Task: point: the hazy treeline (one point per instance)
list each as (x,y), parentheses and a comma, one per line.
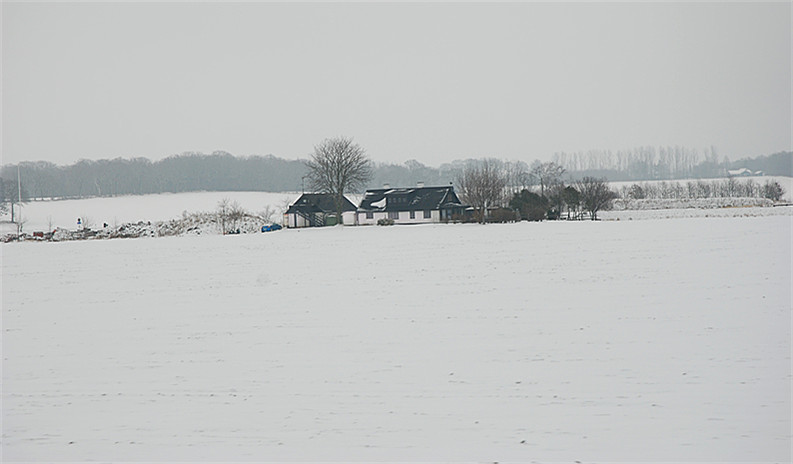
(651,163)
(700,189)
(221,171)
(188,172)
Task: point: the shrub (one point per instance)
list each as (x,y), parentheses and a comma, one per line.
(502,215)
(385,222)
(531,206)
(636,192)
(773,191)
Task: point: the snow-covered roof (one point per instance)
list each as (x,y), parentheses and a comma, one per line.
(410,199)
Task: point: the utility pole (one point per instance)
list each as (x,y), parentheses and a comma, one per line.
(19,201)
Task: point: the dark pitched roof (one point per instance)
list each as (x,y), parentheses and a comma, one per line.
(407,199)
(318,203)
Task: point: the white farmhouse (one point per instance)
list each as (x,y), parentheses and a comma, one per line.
(415,205)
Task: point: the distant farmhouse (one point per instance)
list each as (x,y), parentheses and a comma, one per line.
(317,210)
(744,172)
(417,205)
(414,205)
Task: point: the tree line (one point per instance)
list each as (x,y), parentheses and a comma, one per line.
(221,171)
(665,163)
(701,189)
(502,191)
(187,172)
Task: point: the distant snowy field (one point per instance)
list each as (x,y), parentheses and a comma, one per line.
(40,215)
(653,340)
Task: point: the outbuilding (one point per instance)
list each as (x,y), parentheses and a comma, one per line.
(317,210)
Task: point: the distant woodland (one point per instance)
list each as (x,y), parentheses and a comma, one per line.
(221,171)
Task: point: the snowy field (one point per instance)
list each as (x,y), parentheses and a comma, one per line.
(679,213)
(653,340)
(46,215)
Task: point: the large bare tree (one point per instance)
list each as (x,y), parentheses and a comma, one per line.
(595,195)
(338,165)
(547,174)
(482,185)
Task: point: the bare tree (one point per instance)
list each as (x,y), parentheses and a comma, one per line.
(482,185)
(547,174)
(337,166)
(229,215)
(772,190)
(21,225)
(267,213)
(10,196)
(223,214)
(236,215)
(572,198)
(518,176)
(595,195)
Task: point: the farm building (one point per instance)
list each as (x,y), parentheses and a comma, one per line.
(743,172)
(416,205)
(316,210)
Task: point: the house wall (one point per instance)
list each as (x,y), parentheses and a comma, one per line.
(349,218)
(293,220)
(404,218)
(363,221)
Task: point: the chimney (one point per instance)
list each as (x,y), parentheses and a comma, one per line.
(420,184)
(386,186)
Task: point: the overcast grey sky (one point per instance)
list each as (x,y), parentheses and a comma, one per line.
(432,82)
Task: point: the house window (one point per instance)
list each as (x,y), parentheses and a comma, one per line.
(370,215)
(393,215)
(427,214)
(412,215)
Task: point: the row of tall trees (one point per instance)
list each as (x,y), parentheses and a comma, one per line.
(221,171)
(725,188)
(659,163)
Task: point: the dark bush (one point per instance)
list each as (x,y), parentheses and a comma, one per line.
(529,205)
(502,215)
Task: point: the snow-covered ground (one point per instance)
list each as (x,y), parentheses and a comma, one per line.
(654,340)
(709,212)
(47,215)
